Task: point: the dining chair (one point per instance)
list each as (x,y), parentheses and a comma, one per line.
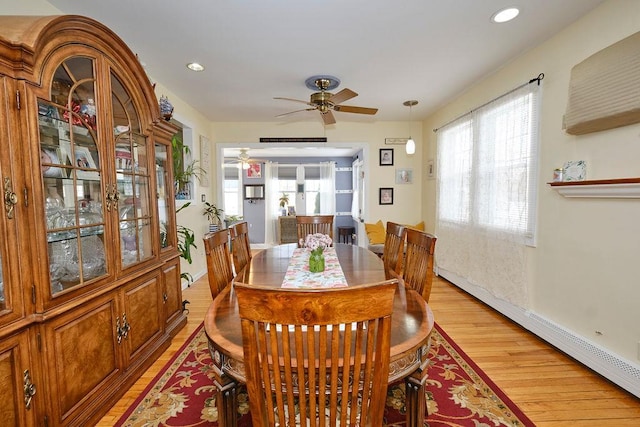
(311,224)
(393,253)
(316,357)
(219,267)
(418,262)
(240,246)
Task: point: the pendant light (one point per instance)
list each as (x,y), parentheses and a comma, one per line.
(410,147)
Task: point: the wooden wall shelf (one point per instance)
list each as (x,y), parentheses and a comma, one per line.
(620,188)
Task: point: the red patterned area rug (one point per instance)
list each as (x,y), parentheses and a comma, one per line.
(458,393)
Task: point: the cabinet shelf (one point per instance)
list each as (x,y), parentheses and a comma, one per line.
(619,188)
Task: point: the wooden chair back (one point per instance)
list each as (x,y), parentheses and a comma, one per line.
(418,262)
(312,224)
(240,245)
(393,254)
(316,357)
(219,267)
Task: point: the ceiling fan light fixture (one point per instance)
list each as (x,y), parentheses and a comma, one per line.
(245,165)
(194,66)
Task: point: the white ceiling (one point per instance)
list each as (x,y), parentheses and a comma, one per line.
(386,51)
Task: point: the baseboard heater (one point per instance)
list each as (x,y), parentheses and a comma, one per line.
(618,370)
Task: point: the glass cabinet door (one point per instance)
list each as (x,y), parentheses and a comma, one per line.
(72,177)
(162,155)
(11,285)
(132,177)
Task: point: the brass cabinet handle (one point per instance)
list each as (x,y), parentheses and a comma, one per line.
(126,327)
(10,198)
(118,330)
(112,197)
(29,389)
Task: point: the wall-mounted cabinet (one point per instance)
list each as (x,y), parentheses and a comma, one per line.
(89,271)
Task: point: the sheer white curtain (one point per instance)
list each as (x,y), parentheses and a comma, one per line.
(327,188)
(487,194)
(271,203)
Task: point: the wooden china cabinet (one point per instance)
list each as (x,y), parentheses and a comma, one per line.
(89,272)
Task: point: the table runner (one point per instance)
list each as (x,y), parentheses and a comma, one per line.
(299,276)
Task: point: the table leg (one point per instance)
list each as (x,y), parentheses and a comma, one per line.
(227,402)
(416,402)
(415,393)
(227,397)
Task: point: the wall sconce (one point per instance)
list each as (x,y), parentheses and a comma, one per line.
(410,147)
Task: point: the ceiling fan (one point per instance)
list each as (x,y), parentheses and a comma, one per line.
(327,102)
(244,159)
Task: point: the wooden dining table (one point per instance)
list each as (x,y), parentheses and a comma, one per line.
(412,321)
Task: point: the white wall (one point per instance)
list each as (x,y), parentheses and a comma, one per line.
(584,273)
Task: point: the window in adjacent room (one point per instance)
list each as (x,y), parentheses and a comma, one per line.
(231,190)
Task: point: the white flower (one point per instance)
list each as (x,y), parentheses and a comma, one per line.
(317,241)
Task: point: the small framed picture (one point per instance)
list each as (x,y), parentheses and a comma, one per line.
(49,157)
(255,170)
(386,157)
(386,196)
(84,161)
(404,176)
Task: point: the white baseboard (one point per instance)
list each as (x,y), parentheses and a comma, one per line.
(620,371)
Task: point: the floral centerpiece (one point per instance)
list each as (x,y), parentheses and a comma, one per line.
(316,243)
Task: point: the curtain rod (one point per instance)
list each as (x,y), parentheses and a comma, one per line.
(535,79)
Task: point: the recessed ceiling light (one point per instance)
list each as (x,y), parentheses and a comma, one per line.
(194,66)
(505,15)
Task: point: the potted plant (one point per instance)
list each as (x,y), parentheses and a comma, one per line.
(186,240)
(284,201)
(214,215)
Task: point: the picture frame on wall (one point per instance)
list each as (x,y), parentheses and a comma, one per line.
(205,160)
(404,176)
(431,169)
(386,157)
(386,196)
(255,170)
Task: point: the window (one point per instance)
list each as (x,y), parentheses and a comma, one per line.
(487,166)
(185,169)
(231,189)
(287,184)
(310,191)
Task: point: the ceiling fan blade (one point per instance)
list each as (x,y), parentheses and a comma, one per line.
(297,111)
(294,100)
(328,118)
(344,95)
(353,109)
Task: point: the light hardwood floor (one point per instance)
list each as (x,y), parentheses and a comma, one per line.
(549,387)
